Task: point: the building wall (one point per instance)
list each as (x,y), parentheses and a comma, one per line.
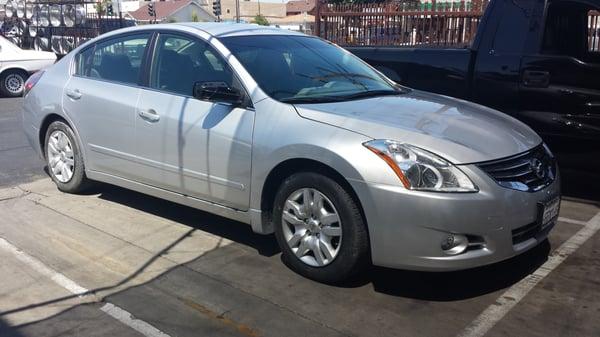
(249,9)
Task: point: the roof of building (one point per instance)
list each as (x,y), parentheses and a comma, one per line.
(300,6)
(163,9)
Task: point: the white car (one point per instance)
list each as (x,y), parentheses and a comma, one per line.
(17,64)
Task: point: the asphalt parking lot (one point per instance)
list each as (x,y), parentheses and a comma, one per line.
(119,263)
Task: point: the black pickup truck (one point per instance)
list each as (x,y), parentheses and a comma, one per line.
(532,59)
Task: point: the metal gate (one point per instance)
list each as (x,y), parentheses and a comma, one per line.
(397,23)
(57,26)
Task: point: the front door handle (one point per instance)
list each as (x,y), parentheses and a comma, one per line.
(74,94)
(150,115)
(536,78)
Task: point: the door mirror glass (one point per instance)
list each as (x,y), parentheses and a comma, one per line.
(218,92)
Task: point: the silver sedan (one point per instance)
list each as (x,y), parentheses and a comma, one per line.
(294,135)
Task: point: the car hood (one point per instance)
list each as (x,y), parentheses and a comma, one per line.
(460,131)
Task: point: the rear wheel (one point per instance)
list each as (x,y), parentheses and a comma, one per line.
(12,83)
(319,228)
(64,159)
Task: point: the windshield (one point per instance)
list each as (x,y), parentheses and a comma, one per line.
(298,69)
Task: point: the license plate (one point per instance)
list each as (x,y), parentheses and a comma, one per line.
(550,211)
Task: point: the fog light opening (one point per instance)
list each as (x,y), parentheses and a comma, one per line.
(455,244)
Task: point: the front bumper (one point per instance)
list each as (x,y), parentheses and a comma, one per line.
(406,228)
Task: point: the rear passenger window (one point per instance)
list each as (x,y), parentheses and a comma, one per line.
(116,60)
(572,30)
(83,62)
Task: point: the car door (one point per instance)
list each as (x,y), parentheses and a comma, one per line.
(194,147)
(498,58)
(559,91)
(101,99)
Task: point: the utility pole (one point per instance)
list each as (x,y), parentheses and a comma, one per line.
(237,11)
(120,13)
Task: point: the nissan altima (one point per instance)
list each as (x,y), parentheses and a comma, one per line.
(295,136)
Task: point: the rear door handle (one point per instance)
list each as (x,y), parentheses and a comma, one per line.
(74,94)
(150,115)
(536,78)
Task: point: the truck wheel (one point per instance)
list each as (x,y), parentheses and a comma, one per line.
(64,158)
(12,83)
(319,228)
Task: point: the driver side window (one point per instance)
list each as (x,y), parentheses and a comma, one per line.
(179,62)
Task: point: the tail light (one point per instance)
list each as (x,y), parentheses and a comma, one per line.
(32,81)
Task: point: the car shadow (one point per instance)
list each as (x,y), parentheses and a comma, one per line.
(433,286)
(229,229)
(455,285)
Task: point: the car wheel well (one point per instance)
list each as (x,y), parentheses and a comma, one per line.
(285,169)
(44,128)
(19,70)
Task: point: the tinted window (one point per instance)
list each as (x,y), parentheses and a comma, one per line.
(593,31)
(179,62)
(302,68)
(117,60)
(570,30)
(83,62)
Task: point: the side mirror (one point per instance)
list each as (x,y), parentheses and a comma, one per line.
(218,92)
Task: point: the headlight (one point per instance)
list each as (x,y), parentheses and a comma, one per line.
(419,169)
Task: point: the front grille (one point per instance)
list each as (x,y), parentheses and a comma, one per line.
(529,171)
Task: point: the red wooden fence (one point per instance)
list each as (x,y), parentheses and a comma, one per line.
(400,23)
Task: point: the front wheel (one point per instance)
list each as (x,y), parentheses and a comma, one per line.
(319,228)
(64,158)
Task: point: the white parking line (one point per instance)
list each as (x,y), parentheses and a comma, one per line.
(112,310)
(509,299)
(136,324)
(573,221)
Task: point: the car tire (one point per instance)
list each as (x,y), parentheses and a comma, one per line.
(341,257)
(12,82)
(64,158)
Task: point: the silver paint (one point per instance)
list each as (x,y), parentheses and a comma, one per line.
(222,161)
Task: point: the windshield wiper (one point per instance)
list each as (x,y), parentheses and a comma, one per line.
(329,99)
(371,93)
(298,100)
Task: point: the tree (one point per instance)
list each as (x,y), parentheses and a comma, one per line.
(261,20)
(172,20)
(195,17)
(101,7)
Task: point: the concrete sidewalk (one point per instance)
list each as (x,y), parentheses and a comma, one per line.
(184,272)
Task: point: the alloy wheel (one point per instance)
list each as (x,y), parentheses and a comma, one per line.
(312,227)
(60,156)
(13,83)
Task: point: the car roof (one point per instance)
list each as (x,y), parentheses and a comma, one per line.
(216,29)
(222,29)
